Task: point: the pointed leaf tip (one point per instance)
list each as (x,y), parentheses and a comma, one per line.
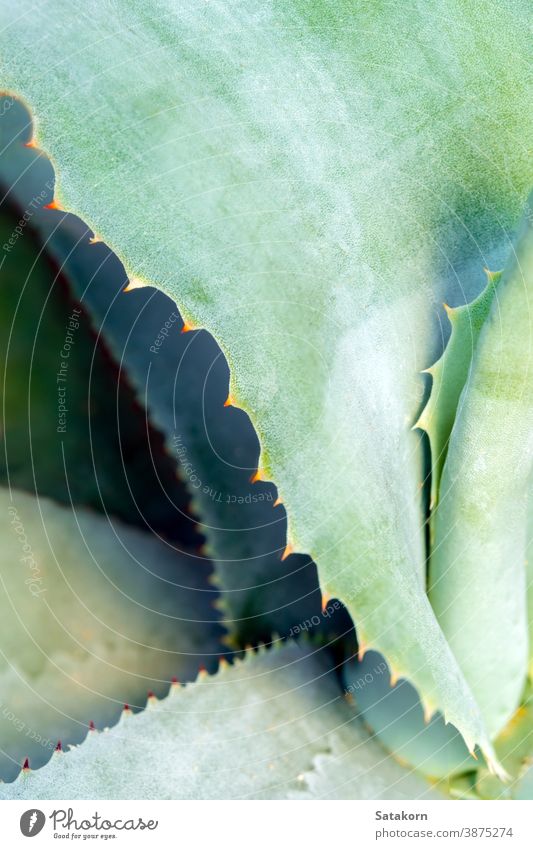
(259,475)
(133,282)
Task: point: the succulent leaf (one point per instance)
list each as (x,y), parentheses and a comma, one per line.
(181,381)
(450,374)
(307,200)
(477,570)
(94,614)
(270,716)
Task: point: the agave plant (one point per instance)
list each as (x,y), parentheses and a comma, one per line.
(331,196)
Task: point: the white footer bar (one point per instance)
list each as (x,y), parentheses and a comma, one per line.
(268,825)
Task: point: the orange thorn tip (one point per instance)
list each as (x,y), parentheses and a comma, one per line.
(258,476)
(325,601)
(229,402)
(428,713)
(363,648)
(30,143)
(394,677)
(277,502)
(288,551)
(134,283)
(187,328)
(53,205)
(94,240)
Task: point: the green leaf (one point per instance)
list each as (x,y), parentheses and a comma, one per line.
(94,615)
(450,374)
(180,379)
(253,730)
(305,180)
(478,572)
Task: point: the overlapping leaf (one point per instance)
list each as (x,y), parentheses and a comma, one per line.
(449,375)
(94,614)
(255,730)
(312,175)
(181,381)
(478,584)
